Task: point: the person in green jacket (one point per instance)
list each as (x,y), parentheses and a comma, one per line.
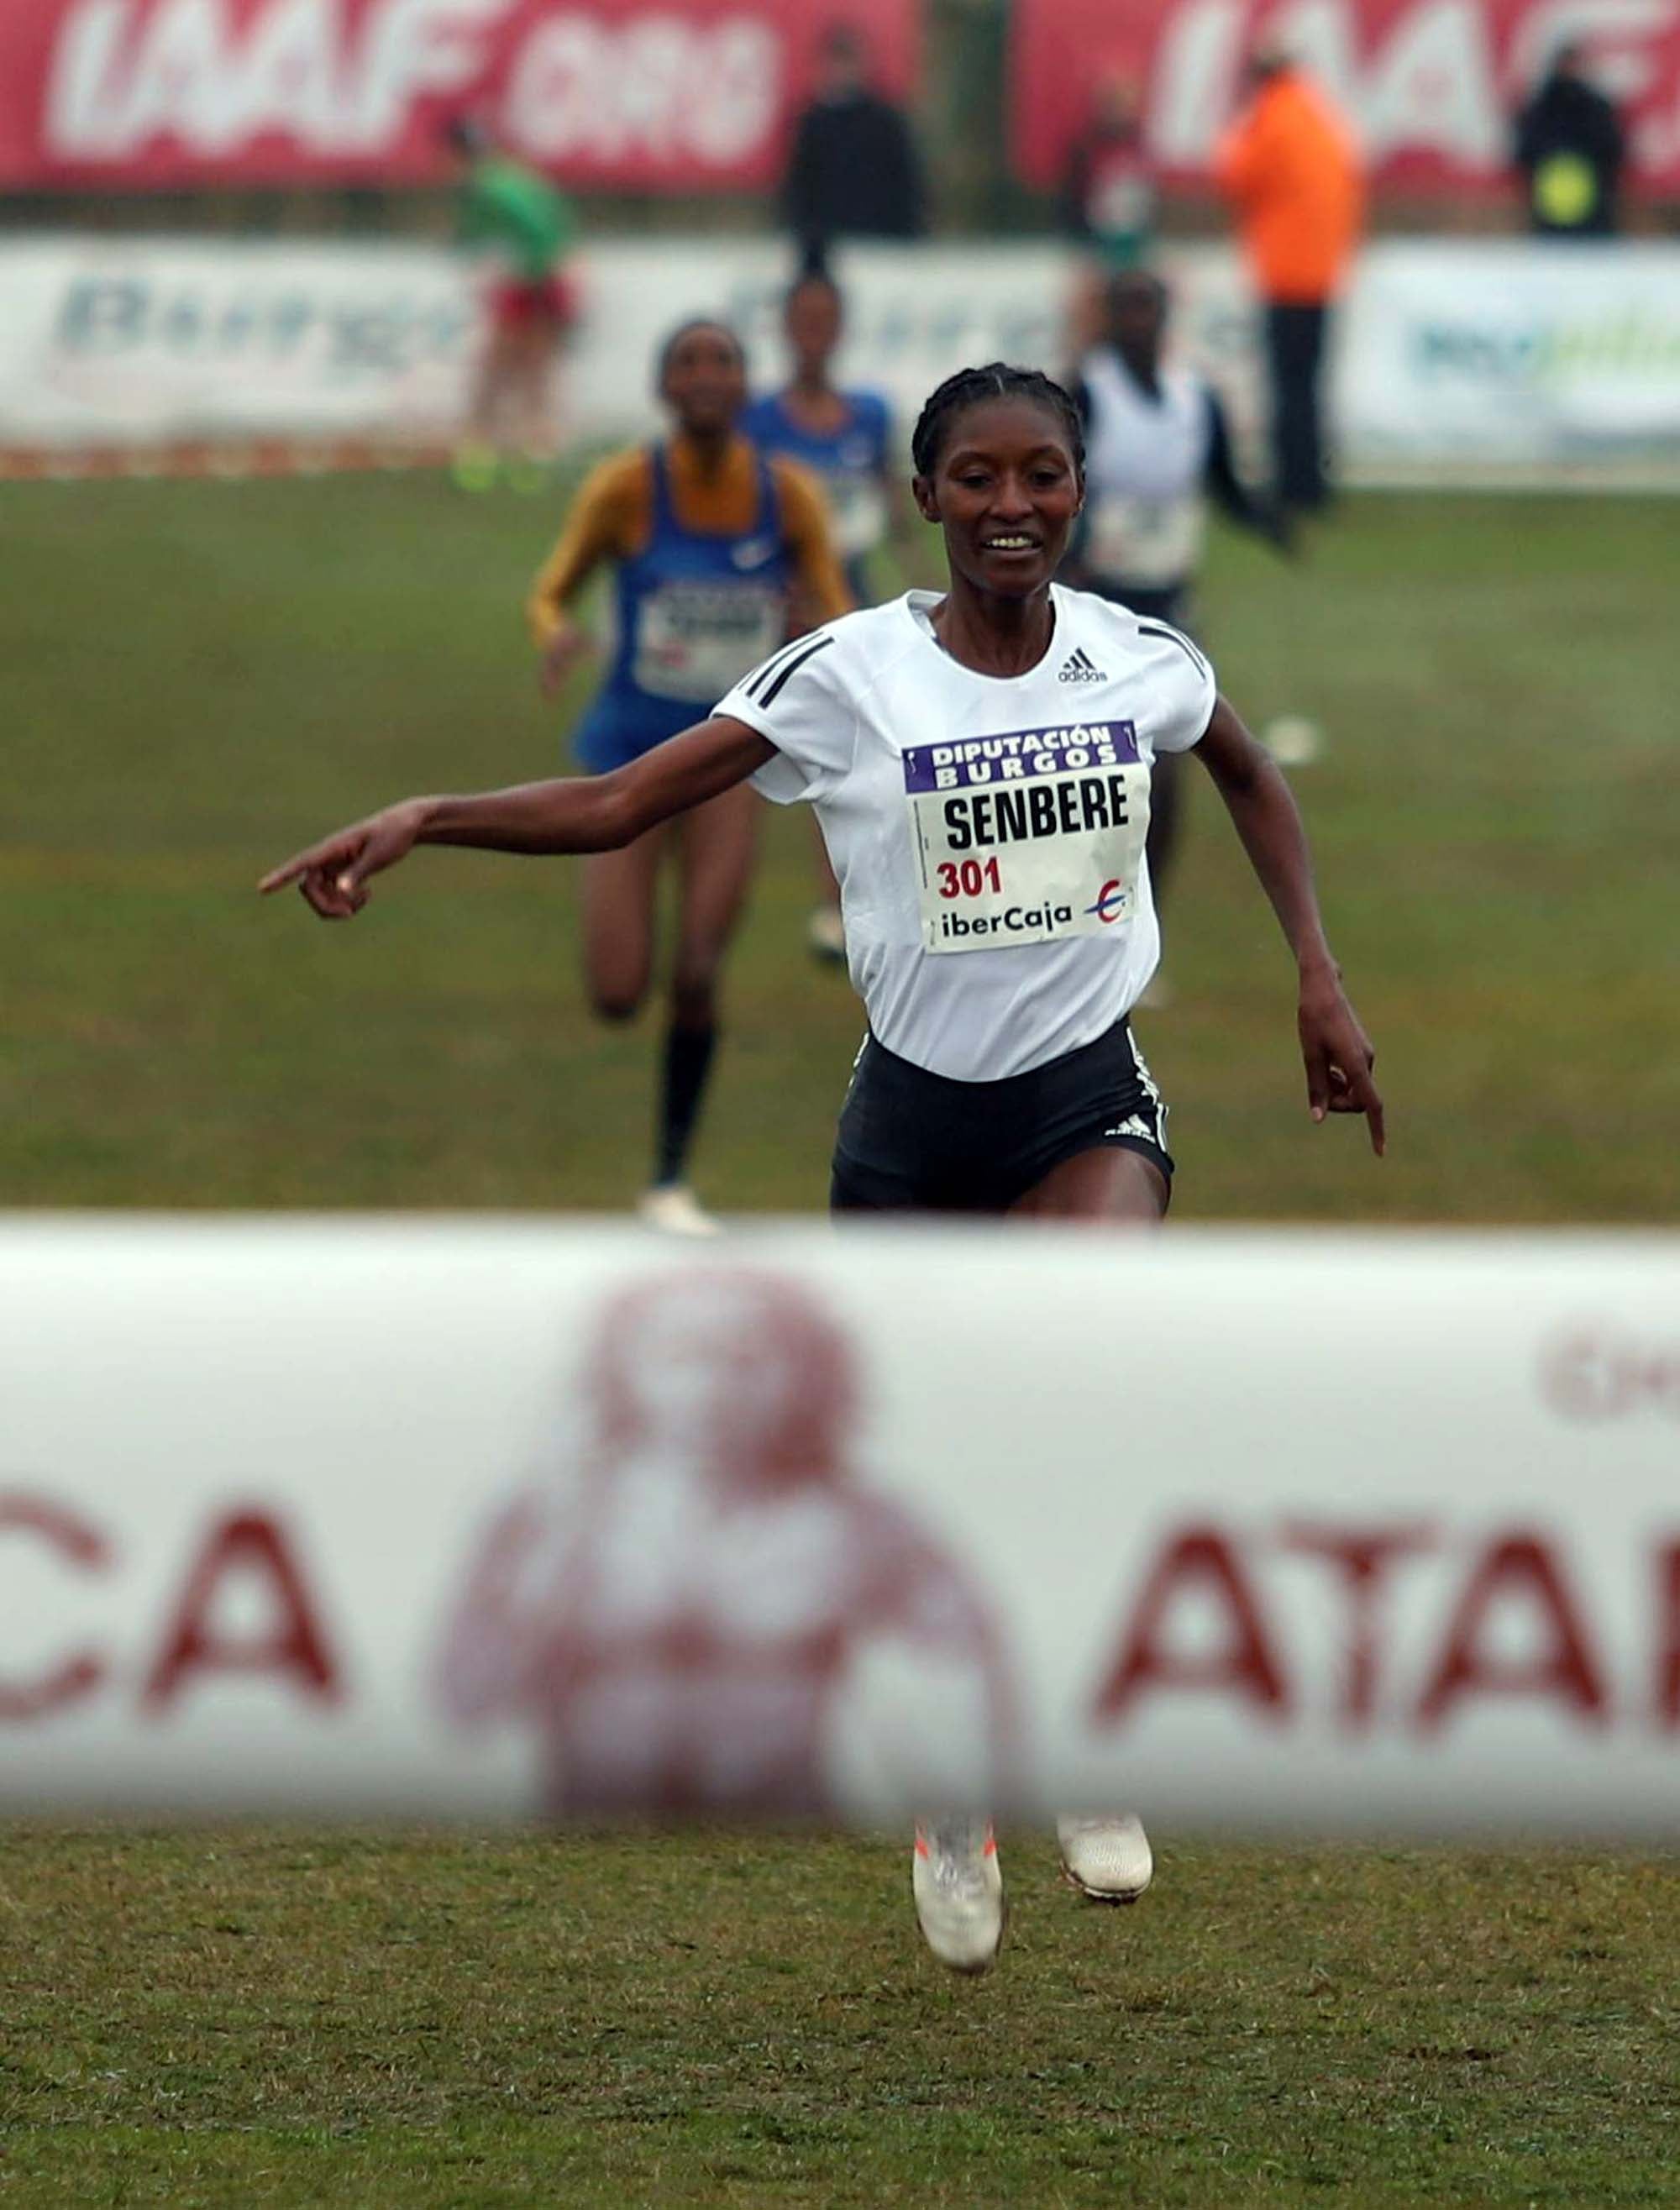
(527,229)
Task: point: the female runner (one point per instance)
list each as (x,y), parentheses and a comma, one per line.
(712,544)
(845,438)
(980,766)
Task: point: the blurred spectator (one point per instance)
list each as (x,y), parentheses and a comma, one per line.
(1569,148)
(526,227)
(1290,169)
(1109,199)
(854,171)
(1157,446)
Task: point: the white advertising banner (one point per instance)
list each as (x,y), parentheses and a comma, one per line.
(1452,358)
(1520,354)
(113,340)
(103,340)
(1315,1532)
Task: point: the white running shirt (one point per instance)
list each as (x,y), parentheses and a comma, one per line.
(987,832)
(1145,462)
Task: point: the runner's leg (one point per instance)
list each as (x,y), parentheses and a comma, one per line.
(1108,1858)
(1111,1185)
(718,845)
(476,463)
(533,425)
(957,1880)
(619,889)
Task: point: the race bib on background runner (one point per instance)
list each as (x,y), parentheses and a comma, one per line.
(1030,837)
(857,510)
(1151,542)
(694,640)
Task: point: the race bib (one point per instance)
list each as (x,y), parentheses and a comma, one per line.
(696,641)
(1027,838)
(857,507)
(1154,542)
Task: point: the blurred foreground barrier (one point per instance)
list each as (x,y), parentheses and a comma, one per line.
(495,1520)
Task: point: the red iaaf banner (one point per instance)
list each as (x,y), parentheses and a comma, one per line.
(673,95)
(1430,86)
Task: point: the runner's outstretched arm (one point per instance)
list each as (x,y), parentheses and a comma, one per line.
(1334,1048)
(567,813)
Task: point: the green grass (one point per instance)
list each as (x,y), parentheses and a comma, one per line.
(199,677)
(293,2019)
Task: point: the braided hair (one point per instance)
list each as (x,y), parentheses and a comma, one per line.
(996,380)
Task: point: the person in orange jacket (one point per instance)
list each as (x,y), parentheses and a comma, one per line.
(1290,168)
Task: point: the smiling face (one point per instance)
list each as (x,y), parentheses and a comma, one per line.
(704,379)
(1006,489)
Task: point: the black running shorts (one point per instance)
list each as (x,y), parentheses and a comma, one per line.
(909,1141)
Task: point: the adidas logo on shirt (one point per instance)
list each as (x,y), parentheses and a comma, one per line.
(1080,667)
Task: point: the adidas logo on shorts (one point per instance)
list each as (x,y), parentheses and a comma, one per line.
(1080,667)
(1134,1124)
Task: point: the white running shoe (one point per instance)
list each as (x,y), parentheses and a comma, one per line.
(1107,1859)
(957,1884)
(672,1209)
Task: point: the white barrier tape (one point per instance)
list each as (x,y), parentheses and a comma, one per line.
(1346,1534)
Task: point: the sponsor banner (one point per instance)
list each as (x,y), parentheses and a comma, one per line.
(647,95)
(111,340)
(103,339)
(1452,356)
(1517,353)
(1327,1533)
(1430,86)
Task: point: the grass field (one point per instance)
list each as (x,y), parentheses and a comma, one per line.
(290,2019)
(200,676)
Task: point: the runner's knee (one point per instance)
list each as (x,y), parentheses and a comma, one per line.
(610,1003)
(694,994)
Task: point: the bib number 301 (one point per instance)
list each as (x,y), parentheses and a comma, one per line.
(1030,836)
(968,878)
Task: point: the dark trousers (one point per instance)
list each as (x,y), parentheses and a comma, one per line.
(1295,355)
